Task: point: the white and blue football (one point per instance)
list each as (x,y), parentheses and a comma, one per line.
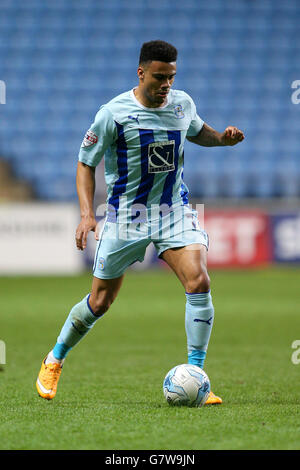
(186,385)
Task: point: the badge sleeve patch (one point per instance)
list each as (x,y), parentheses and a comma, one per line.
(90,139)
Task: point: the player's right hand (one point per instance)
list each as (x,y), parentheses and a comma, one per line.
(232,136)
(87,224)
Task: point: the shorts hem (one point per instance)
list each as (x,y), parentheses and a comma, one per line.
(120,273)
(181,245)
(113,276)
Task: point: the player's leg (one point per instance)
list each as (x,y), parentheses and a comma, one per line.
(112,257)
(103,293)
(80,320)
(190,265)
(84,314)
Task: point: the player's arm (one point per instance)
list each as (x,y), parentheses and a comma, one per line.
(85,183)
(96,141)
(209,137)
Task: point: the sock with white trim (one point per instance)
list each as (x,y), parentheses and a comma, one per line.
(51,359)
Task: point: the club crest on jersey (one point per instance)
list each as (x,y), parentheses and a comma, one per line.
(161,156)
(90,138)
(101,263)
(178,110)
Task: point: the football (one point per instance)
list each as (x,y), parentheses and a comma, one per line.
(186,385)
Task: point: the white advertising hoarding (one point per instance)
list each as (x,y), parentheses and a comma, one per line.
(39,238)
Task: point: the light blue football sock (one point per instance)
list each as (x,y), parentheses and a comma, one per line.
(199,317)
(79,322)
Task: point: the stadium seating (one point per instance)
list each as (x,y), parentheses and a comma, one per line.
(61,60)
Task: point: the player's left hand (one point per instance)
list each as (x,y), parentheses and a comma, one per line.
(232,136)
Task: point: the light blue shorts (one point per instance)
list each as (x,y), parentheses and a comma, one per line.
(121,245)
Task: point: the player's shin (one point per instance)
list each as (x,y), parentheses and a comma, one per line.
(79,322)
(199,316)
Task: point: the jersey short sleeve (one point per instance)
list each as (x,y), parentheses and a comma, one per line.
(98,138)
(196,122)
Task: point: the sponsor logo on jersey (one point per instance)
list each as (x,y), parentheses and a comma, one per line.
(178,110)
(90,138)
(161,156)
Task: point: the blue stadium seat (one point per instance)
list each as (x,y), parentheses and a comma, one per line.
(236,59)
(287,175)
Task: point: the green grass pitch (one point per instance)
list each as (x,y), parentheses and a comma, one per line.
(110,392)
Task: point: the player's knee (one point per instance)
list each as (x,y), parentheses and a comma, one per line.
(101,304)
(200,283)
(101,307)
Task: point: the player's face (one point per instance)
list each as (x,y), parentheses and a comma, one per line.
(156,80)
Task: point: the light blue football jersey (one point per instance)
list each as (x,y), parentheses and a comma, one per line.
(143,149)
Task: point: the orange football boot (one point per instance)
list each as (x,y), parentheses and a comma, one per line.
(47,380)
(213,399)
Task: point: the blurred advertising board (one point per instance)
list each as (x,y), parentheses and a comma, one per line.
(39,238)
(286,237)
(238,238)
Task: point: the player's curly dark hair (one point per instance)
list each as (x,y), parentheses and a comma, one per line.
(157,50)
